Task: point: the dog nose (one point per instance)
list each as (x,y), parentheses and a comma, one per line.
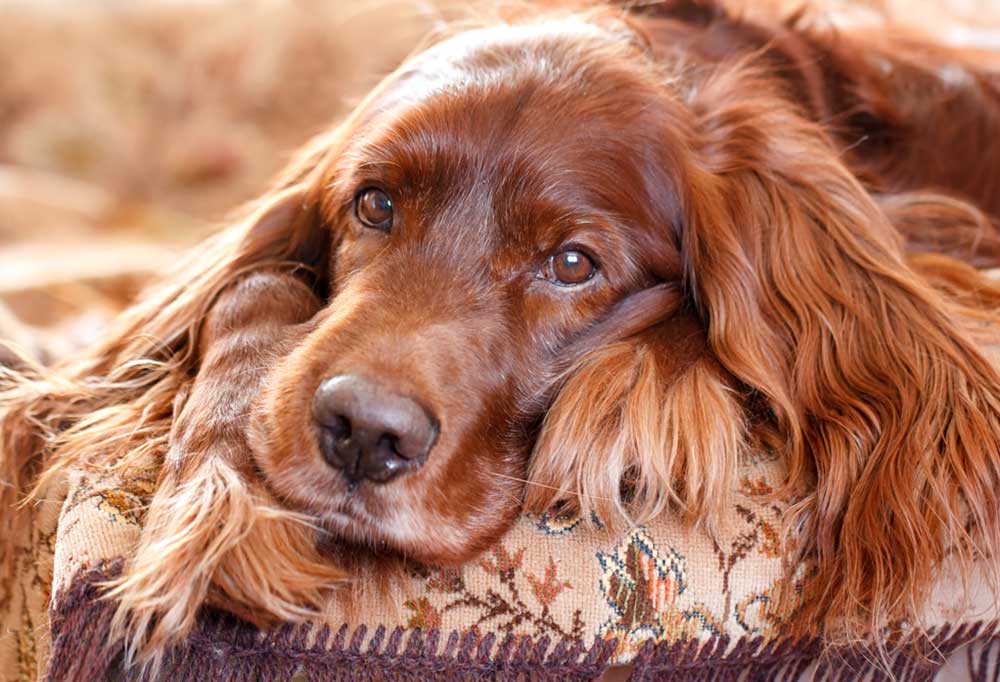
(368,431)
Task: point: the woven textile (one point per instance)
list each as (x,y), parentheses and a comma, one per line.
(557,597)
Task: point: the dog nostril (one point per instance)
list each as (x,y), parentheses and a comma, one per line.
(386,461)
(334,443)
(390,444)
(368,431)
(340,427)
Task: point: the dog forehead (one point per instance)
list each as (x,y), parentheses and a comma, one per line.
(569,52)
(502,51)
(499,129)
(492,104)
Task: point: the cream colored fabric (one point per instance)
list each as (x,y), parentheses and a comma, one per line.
(24,641)
(550,577)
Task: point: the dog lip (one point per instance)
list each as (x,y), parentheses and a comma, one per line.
(350,511)
(359,529)
(340,517)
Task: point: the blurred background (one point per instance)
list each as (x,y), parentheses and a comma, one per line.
(129,129)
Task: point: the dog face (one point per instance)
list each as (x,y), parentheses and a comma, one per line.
(484,217)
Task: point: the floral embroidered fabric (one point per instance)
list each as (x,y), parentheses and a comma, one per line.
(558,596)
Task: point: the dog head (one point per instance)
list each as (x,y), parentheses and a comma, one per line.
(493,211)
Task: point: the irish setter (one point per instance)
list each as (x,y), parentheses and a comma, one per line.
(585,260)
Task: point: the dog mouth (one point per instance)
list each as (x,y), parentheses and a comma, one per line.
(351,524)
(343,534)
(343,518)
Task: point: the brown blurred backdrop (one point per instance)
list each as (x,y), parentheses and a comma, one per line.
(128,129)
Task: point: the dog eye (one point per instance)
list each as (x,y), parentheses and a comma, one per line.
(374,208)
(569,267)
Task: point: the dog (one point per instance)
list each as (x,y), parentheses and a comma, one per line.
(582,259)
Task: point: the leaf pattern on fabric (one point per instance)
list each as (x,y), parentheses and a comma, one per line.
(514,602)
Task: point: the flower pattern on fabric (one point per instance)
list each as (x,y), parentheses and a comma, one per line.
(564,523)
(555,523)
(767,613)
(424,616)
(516,601)
(642,584)
(554,580)
(127,504)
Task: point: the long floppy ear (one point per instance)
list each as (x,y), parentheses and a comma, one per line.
(937,223)
(21,443)
(641,425)
(874,380)
(114,403)
(113,408)
(224,538)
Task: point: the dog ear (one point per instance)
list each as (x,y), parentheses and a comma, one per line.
(940,224)
(226,540)
(641,424)
(282,228)
(875,385)
(803,312)
(119,395)
(113,408)
(210,518)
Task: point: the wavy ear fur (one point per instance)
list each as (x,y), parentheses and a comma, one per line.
(880,393)
(866,369)
(211,521)
(113,408)
(21,443)
(121,393)
(640,426)
(940,224)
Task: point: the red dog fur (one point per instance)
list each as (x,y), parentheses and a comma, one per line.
(751,196)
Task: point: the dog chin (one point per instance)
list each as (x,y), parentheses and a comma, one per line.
(357,517)
(342,533)
(352,528)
